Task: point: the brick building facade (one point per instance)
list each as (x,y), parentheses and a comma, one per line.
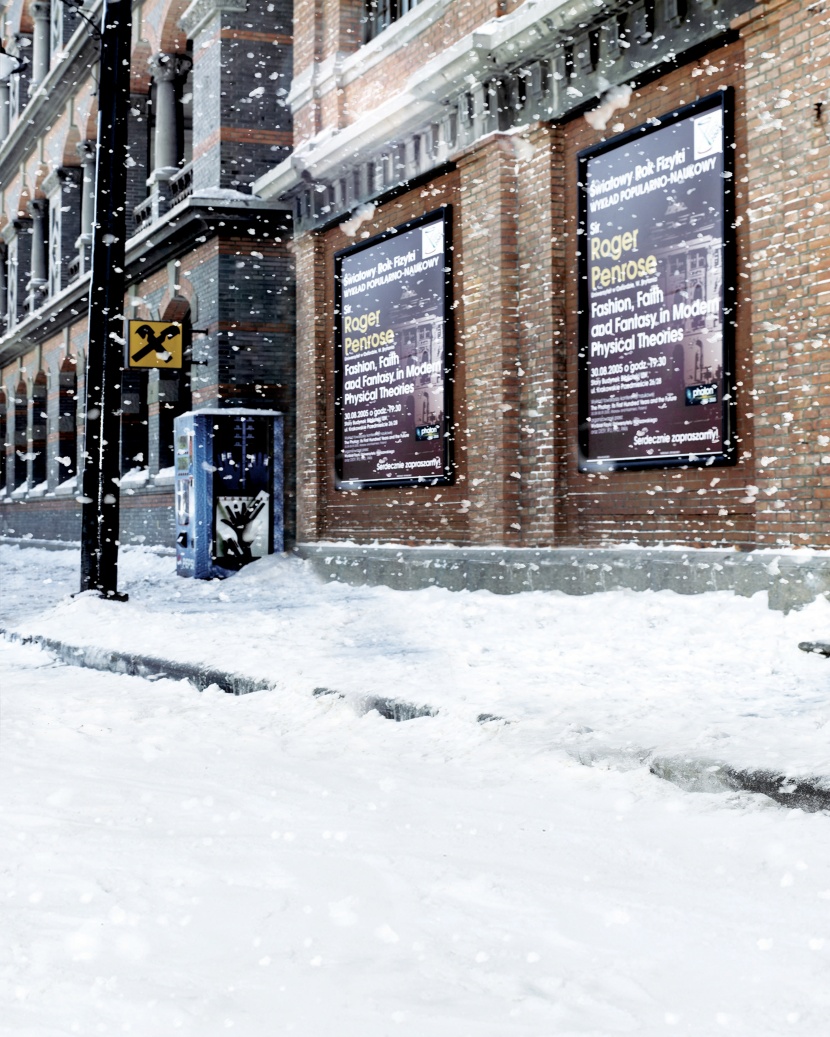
(395,109)
(486,107)
(207,117)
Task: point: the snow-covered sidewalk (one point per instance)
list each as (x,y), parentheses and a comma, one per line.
(617,675)
(286,863)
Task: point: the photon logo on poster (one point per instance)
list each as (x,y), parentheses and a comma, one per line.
(393,339)
(657,294)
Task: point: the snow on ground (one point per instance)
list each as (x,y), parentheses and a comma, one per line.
(177,862)
(283,863)
(713,676)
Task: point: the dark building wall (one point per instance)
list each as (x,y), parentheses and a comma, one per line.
(240,81)
(146,518)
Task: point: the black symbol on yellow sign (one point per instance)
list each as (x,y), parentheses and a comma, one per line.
(154,343)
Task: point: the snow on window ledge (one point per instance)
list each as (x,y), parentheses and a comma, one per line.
(67,487)
(135,478)
(336,72)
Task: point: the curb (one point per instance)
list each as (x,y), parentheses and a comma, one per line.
(790,580)
(810,794)
(141,665)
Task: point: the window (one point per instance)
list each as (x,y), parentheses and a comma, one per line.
(67,420)
(53,264)
(135,439)
(184,112)
(21,445)
(12,276)
(174,392)
(379,14)
(2,442)
(38,452)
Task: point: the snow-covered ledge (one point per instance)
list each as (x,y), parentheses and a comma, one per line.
(791,577)
(67,488)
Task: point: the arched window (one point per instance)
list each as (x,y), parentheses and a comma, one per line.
(174,395)
(21,438)
(39,420)
(68,420)
(135,438)
(3,442)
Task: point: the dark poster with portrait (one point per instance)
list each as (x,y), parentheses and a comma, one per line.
(393,356)
(657,293)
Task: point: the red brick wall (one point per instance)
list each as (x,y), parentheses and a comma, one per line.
(514,198)
(515,201)
(489,234)
(540,286)
(325,28)
(788,218)
(314,318)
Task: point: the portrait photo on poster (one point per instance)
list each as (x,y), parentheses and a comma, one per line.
(393,357)
(657,293)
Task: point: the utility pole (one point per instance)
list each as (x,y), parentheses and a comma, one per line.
(105,353)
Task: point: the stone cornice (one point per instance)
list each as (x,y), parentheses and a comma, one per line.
(544,61)
(59,178)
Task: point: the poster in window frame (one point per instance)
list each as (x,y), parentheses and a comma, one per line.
(656,347)
(393,357)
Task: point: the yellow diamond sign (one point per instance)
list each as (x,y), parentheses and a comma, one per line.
(154,343)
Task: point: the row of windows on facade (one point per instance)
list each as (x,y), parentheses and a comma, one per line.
(39,442)
(53,25)
(49,244)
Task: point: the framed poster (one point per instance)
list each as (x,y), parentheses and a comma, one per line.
(393,357)
(657,293)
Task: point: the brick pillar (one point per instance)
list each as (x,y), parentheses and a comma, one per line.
(541,325)
(488,228)
(312,390)
(308,33)
(788,281)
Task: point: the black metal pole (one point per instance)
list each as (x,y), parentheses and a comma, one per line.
(105,353)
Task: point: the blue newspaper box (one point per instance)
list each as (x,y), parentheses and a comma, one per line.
(229,489)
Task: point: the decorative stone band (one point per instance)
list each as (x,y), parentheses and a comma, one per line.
(530,71)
